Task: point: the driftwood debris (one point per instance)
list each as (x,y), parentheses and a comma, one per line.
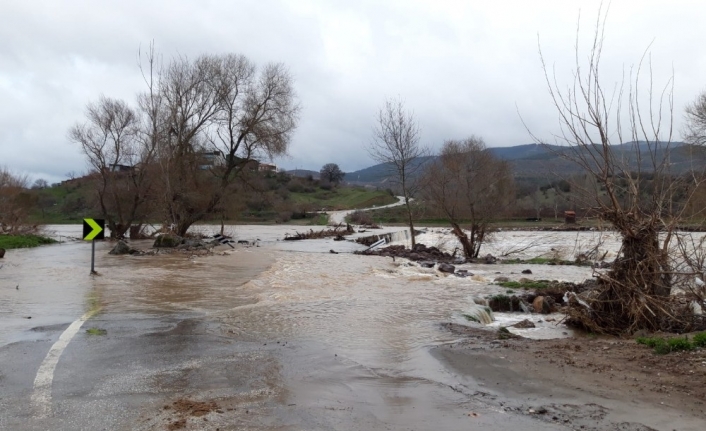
(337,231)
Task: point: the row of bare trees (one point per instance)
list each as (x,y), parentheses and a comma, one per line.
(186,145)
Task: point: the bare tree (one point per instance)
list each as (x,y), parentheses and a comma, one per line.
(111,142)
(332,173)
(15,202)
(220,114)
(469,186)
(396,144)
(622,138)
(695,132)
(40,183)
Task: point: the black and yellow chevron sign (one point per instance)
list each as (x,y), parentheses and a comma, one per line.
(93,229)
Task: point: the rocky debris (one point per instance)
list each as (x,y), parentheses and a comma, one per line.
(427,264)
(507,303)
(339,238)
(545,300)
(2,253)
(527,271)
(167,241)
(332,251)
(446,267)
(524,324)
(463,273)
(122,248)
(337,232)
(190,243)
(490,259)
(501,279)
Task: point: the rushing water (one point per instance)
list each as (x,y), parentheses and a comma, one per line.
(368,305)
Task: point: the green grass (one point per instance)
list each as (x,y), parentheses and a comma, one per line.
(471,318)
(527,285)
(23,241)
(344,198)
(662,346)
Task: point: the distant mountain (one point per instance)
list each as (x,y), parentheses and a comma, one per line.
(550,161)
(377,174)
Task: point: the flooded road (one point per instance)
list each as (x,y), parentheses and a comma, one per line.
(285,335)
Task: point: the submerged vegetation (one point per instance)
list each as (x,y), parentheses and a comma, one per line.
(96,331)
(24,241)
(526,284)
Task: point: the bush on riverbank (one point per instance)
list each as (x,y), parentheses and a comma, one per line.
(23,241)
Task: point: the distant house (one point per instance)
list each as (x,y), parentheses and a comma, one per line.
(120,168)
(208,159)
(249,165)
(266,167)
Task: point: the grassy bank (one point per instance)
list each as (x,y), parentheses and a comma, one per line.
(23,241)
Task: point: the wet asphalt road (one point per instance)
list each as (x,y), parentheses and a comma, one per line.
(129,378)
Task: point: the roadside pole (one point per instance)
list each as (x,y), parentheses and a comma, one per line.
(93,256)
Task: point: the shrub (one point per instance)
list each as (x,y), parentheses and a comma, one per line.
(700,339)
(360,217)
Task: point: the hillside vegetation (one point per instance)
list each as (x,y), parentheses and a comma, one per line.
(271,197)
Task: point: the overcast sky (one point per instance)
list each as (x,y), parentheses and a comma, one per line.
(463,67)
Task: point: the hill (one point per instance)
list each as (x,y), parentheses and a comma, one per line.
(536,161)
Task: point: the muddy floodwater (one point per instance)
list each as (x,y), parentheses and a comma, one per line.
(344,340)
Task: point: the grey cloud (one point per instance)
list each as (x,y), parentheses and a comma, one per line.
(462,67)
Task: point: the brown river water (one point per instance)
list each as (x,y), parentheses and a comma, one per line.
(380,317)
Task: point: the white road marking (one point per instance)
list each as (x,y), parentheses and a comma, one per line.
(41,397)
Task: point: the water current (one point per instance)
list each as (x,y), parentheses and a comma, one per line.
(380,315)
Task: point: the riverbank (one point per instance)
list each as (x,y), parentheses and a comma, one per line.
(589,383)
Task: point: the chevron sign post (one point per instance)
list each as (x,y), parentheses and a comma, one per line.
(93,229)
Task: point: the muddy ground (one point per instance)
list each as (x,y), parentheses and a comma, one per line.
(587,383)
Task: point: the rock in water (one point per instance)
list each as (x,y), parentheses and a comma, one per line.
(120,248)
(2,253)
(524,324)
(167,240)
(527,271)
(447,267)
(541,305)
(187,243)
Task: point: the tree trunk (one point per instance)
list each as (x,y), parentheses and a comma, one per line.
(642,263)
(464,240)
(411,223)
